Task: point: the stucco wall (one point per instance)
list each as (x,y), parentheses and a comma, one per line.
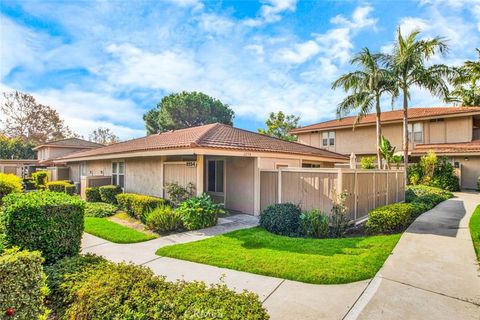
(459,129)
(271,163)
(240,184)
(143,176)
(55,152)
(99,168)
(470,171)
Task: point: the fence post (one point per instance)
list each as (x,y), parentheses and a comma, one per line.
(355,195)
(279,188)
(374,191)
(396,186)
(339,182)
(386,195)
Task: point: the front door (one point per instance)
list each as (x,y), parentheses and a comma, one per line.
(216,179)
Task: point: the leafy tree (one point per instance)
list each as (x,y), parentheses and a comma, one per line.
(103,136)
(366,86)
(24,118)
(186,109)
(466,83)
(15,148)
(408,63)
(279,126)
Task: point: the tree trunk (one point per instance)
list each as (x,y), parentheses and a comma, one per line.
(405,133)
(379,132)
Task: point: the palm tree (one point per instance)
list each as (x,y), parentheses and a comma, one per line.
(407,63)
(366,86)
(466,83)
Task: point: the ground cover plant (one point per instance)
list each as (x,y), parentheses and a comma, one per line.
(474,226)
(99,209)
(114,232)
(321,261)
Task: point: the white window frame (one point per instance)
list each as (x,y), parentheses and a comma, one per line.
(331,138)
(325,139)
(413,130)
(216,192)
(117,174)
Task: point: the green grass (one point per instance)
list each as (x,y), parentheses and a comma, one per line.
(475,230)
(321,261)
(114,232)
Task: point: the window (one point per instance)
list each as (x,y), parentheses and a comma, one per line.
(311,165)
(417,129)
(118,174)
(331,136)
(324,139)
(215,176)
(83,169)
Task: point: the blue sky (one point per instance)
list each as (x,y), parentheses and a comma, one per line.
(104,63)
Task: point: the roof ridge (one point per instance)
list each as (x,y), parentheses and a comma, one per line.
(198,140)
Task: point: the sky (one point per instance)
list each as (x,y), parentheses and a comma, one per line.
(105,63)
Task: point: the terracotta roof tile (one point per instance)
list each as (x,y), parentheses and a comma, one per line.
(396,115)
(71,142)
(447,148)
(217,136)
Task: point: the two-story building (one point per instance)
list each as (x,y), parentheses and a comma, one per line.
(449,131)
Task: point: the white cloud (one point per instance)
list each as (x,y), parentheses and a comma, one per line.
(360,19)
(271,12)
(300,52)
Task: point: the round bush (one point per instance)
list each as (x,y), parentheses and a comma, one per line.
(50,222)
(389,219)
(92,194)
(9,183)
(61,186)
(164,219)
(281,218)
(108,193)
(99,209)
(199,212)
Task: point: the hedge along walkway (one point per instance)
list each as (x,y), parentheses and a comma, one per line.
(433,271)
(284,299)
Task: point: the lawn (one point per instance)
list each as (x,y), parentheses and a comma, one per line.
(475,230)
(114,232)
(320,261)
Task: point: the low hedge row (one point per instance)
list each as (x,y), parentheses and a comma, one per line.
(23,285)
(90,288)
(109,193)
(398,216)
(92,194)
(50,222)
(138,205)
(61,186)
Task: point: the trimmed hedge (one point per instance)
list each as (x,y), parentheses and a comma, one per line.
(23,287)
(93,194)
(86,288)
(199,212)
(40,179)
(164,219)
(61,186)
(413,192)
(281,218)
(389,219)
(99,209)
(9,183)
(50,222)
(137,205)
(109,192)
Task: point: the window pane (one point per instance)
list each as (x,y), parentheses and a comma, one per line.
(418,136)
(211,176)
(332,138)
(114,167)
(219,176)
(121,180)
(409,127)
(418,127)
(121,167)
(114,179)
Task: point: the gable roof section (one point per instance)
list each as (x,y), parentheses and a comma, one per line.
(213,136)
(389,116)
(70,143)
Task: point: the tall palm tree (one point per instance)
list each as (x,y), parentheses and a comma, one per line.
(366,86)
(466,83)
(408,63)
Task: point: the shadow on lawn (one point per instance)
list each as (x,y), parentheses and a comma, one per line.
(258,238)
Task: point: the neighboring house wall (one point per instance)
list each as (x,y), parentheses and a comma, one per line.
(47,153)
(240,188)
(470,170)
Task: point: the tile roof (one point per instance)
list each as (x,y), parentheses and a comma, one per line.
(447,148)
(396,115)
(215,136)
(71,142)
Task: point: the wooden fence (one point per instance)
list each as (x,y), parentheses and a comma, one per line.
(316,188)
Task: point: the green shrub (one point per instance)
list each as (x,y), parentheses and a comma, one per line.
(40,179)
(199,212)
(99,209)
(93,194)
(64,275)
(389,219)
(50,222)
(61,186)
(29,184)
(23,287)
(434,171)
(138,205)
(125,291)
(178,194)
(164,219)
(413,192)
(314,223)
(338,218)
(368,162)
(281,218)
(9,183)
(444,176)
(109,192)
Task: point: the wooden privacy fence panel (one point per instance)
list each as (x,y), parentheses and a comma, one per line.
(316,188)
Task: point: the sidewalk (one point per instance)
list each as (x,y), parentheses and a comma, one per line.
(432,272)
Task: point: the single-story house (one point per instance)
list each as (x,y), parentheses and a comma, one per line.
(218,159)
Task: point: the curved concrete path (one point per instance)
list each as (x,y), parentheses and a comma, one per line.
(433,271)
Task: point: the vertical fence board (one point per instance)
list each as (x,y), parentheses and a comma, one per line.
(268,188)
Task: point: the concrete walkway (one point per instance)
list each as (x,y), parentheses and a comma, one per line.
(284,299)
(432,272)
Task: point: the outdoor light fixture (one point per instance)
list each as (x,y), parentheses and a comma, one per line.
(466,159)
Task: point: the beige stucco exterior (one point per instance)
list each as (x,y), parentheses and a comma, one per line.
(470,170)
